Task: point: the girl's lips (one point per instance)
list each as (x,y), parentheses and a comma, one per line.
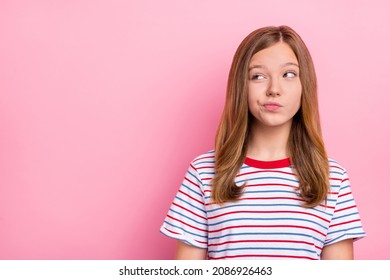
(272,106)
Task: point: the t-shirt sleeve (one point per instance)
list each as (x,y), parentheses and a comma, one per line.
(345,223)
(186,219)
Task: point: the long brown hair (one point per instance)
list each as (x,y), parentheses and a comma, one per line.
(307,150)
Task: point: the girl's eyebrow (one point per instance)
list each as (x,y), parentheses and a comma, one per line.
(283,65)
(256,66)
(289,64)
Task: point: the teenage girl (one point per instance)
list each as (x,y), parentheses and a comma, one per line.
(268,190)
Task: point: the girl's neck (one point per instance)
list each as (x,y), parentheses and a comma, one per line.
(268,143)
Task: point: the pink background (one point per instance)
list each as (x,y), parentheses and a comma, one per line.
(104,103)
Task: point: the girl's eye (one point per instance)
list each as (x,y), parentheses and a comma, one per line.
(289,75)
(257,77)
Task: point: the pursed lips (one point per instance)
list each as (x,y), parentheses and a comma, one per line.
(272,106)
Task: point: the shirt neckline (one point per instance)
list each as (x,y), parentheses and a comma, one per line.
(267,164)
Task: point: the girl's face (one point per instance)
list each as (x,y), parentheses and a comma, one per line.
(274,88)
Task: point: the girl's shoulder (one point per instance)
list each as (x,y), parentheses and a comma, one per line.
(205,159)
(335,165)
(336,170)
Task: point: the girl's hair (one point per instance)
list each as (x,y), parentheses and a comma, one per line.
(305,144)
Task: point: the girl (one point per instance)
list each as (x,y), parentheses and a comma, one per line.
(268,190)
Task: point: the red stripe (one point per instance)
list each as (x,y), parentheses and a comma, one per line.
(345,194)
(275,197)
(333,166)
(261,198)
(283,185)
(346,179)
(195,184)
(344,223)
(203,167)
(193,167)
(200,202)
(263,241)
(203,158)
(334,193)
(171,231)
(346,208)
(268,198)
(186,224)
(264,256)
(268,212)
(267,164)
(336,179)
(327,206)
(202,242)
(266,226)
(193,213)
(262,171)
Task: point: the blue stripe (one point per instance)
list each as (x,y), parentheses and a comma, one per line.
(271,191)
(263,191)
(313,237)
(345,201)
(196,178)
(184,240)
(344,187)
(262,248)
(185,216)
(193,206)
(245,167)
(186,231)
(346,230)
(347,215)
(270,219)
(203,162)
(206,173)
(191,190)
(348,235)
(289,192)
(265,178)
(277,191)
(266,205)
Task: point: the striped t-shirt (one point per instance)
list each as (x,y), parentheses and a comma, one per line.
(268,221)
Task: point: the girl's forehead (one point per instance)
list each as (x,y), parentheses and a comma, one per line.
(279,54)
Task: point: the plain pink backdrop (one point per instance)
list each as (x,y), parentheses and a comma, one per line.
(103,104)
